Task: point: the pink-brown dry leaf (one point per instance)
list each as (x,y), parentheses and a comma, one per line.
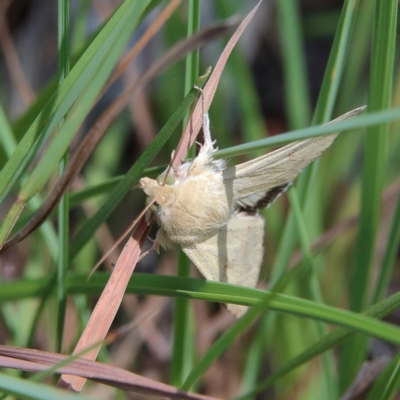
(195,123)
(108,303)
(37,361)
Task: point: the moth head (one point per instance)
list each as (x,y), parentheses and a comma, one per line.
(160,193)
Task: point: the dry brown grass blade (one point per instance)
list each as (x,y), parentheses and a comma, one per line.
(196,121)
(109,302)
(38,361)
(102,124)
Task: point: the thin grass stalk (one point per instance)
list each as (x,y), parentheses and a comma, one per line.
(183,346)
(329,384)
(63,207)
(336,63)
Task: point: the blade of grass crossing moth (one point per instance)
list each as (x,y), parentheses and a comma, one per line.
(213,291)
(170,286)
(381,81)
(183,346)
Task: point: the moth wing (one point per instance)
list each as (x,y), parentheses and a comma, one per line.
(233,255)
(257,183)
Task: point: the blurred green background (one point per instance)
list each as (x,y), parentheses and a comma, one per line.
(299,63)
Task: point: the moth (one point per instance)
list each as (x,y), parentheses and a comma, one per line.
(211,210)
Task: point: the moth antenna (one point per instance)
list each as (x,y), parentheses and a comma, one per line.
(208,143)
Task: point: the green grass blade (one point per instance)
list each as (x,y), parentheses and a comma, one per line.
(161,285)
(297,98)
(22,388)
(183,348)
(375,154)
(334,70)
(63,208)
(300,134)
(223,292)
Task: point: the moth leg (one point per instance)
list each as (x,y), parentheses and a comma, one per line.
(155,246)
(148,251)
(208,145)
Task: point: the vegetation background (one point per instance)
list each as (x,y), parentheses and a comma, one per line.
(331,244)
